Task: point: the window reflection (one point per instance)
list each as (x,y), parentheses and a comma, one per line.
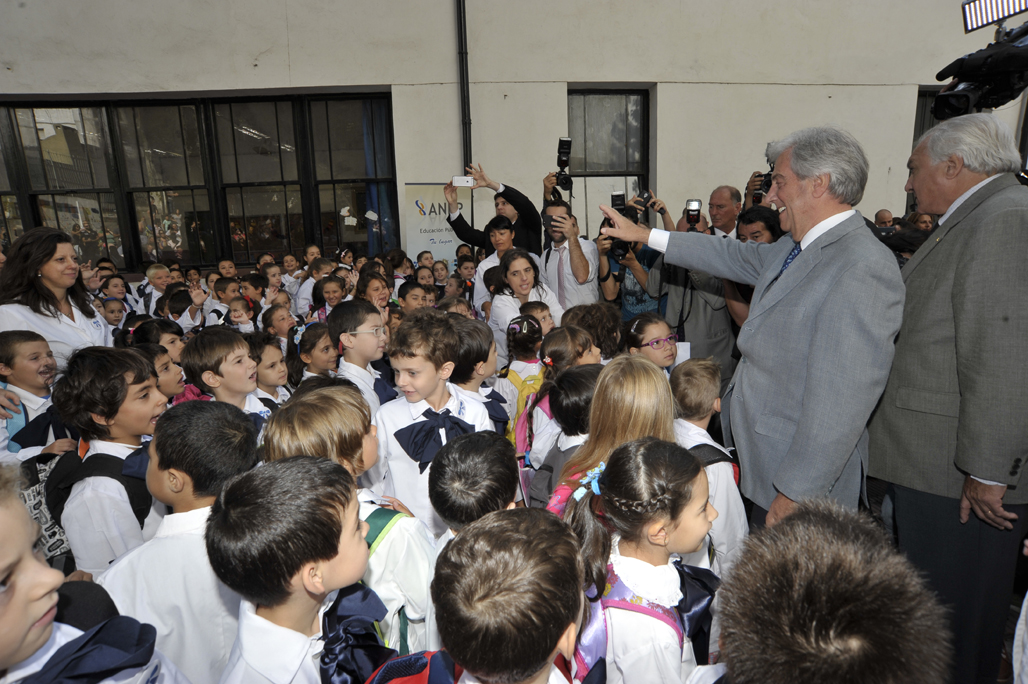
(176,224)
(64,148)
(91,219)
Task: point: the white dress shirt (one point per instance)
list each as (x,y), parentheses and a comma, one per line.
(213,319)
(160,670)
(400,571)
(266,653)
(397,474)
(31,406)
(729,530)
(641,648)
(364,378)
(98,518)
(187,323)
(963,198)
(434,641)
(507,307)
(303,299)
(168,583)
(575,293)
(280,397)
(64,335)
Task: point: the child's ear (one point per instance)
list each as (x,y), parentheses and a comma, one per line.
(633,350)
(211,379)
(478,367)
(566,643)
(446,370)
(511,506)
(5,370)
(346,339)
(306,358)
(177,480)
(657,532)
(717,405)
(100,420)
(310,577)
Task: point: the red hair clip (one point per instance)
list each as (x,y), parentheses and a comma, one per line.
(547,361)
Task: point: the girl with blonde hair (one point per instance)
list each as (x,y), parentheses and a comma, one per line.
(632,400)
(335,423)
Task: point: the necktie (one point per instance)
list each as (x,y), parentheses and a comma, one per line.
(421,441)
(112,647)
(789,259)
(560,277)
(352,649)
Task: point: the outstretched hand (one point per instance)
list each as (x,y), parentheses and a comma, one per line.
(623,229)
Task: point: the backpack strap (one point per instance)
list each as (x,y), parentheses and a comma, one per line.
(423,667)
(380,522)
(708,455)
(270,404)
(70,470)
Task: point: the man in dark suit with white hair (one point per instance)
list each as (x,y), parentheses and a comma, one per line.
(951,432)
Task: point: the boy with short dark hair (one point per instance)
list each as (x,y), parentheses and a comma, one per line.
(472,475)
(218,362)
(425,259)
(168,582)
(356,327)
(254,286)
(476,363)
(318,269)
(412,428)
(110,396)
(523,547)
(227,268)
(288,539)
(411,296)
(225,290)
(185,307)
(272,373)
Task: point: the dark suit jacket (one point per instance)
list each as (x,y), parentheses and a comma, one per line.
(957,398)
(528,229)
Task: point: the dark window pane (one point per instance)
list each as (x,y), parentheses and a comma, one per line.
(634,136)
(226,141)
(383,232)
(351,149)
(30,148)
(266,220)
(605,133)
(383,142)
(160,147)
(97,144)
(181,229)
(9,204)
(352,199)
(576,129)
(130,146)
(256,138)
(294,205)
(112,231)
(72,147)
(5,184)
(144,225)
(191,141)
(319,139)
(236,223)
(329,218)
(81,217)
(287,141)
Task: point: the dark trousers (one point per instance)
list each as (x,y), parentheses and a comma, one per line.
(970,566)
(758,517)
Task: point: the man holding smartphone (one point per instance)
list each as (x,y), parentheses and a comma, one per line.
(508,202)
(571,262)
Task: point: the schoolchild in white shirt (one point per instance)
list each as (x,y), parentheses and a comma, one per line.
(523,370)
(472,475)
(218,362)
(225,290)
(334,423)
(33,647)
(358,329)
(327,294)
(110,396)
(278,321)
(171,381)
(241,315)
(28,368)
(413,428)
(475,365)
(654,495)
(272,374)
(254,287)
(291,274)
(287,537)
(695,385)
(318,269)
(168,582)
(159,277)
(185,307)
(523,547)
(163,332)
(310,351)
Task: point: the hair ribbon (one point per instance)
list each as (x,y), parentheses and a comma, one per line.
(590,480)
(547,361)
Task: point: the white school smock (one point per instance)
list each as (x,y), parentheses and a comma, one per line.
(168,583)
(400,476)
(98,518)
(364,378)
(400,571)
(265,653)
(34,406)
(507,307)
(435,643)
(641,648)
(160,670)
(63,334)
(280,397)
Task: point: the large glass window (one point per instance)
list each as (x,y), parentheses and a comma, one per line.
(609,136)
(10,220)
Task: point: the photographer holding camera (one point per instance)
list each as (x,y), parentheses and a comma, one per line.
(631,278)
(571,262)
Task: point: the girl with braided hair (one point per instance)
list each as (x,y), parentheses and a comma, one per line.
(650,617)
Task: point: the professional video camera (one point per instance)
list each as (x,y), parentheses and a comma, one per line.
(986,79)
(564,181)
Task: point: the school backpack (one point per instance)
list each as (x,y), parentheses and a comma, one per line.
(423,667)
(70,469)
(527,387)
(380,523)
(690,620)
(521,441)
(708,454)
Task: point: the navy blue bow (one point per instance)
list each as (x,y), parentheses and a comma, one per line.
(421,440)
(114,646)
(258,421)
(136,462)
(494,405)
(385,391)
(698,588)
(352,649)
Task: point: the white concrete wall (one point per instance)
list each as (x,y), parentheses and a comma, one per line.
(724,77)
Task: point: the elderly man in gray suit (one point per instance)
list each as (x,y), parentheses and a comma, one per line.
(818,343)
(951,432)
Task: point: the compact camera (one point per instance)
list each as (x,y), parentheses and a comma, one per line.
(619,248)
(646,197)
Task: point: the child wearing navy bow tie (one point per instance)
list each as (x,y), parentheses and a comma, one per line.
(412,428)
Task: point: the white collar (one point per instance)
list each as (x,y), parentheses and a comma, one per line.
(454,403)
(963,198)
(281,394)
(473,396)
(694,434)
(254,405)
(115,449)
(275,652)
(59,636)
(658,584)
(34,403)
(367,373)
(175,524)
(565,442)
(823,227)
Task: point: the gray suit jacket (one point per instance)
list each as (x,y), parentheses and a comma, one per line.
(816,348)
(957,398)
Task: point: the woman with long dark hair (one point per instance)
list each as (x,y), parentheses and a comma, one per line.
(521,285)
(41,289)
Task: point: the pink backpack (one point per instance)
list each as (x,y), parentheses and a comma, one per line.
(521,426)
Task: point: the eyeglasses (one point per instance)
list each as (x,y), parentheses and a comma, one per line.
(377,332)
(659,343)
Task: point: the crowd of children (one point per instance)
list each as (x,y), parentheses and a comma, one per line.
(349,470)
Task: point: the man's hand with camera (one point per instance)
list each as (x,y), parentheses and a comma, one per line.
(657,206)
(549,183)
(481,180)
(450,193)
(623,228)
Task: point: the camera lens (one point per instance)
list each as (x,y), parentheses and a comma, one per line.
(619,249)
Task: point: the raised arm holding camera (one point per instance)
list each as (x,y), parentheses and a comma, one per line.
(508,202)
